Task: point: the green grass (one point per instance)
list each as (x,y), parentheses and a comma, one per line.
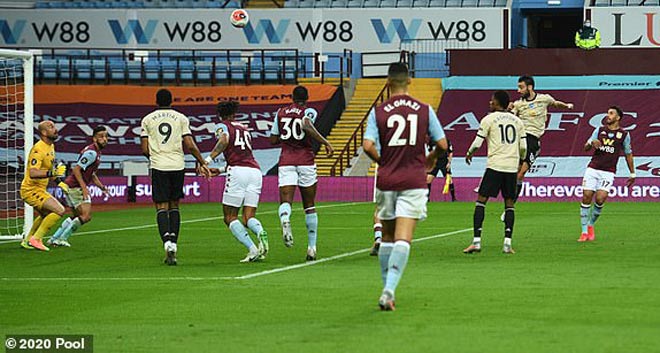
(554,295)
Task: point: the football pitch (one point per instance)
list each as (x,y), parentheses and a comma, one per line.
(553,295)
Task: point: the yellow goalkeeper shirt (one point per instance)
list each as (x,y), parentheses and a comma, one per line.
(41,157)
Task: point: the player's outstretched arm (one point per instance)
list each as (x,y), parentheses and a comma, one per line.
(219,147)
(309,128)
(191,146)
(560,104)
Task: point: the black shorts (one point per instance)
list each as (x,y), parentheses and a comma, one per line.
(493,182)
(440,166)
(166,185)
(533,149)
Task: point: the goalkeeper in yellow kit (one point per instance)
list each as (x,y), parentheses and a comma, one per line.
(38,171)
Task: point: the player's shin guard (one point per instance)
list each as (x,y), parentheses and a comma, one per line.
(509,218)
(378,232)
(396,265)
(312,223)
(163,224)
(428,195)
(174,224)
(241,234)
(71,228)
(384,253)
(452,191)
(584,217)
(518,190)
(478,221)
(285,212)
(595,213)
(255,226)
(60,230)
(47,223)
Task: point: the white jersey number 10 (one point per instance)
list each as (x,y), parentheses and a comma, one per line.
(401,122)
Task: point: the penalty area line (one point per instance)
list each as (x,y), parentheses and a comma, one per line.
(248,276)
(340,256)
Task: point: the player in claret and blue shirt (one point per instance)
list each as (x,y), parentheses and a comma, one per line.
(608,141)
(76,190)
(401,126)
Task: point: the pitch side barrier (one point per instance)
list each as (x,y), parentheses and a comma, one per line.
(465,102)
(360,189)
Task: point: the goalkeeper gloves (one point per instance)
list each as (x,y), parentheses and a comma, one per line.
(59,171)
(64,187)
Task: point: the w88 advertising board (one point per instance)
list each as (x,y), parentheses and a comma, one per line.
(313,30)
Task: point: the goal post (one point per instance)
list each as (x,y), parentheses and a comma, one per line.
(16,139)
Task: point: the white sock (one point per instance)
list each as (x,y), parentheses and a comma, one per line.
(507,241)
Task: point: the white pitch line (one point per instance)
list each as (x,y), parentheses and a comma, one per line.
(248,276)
(112,230)
(336,257)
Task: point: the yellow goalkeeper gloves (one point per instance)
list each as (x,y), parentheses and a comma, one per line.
(65,188)
(60,170)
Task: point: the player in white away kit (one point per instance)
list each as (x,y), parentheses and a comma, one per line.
(506,147)
(243,181)
(608,141)
(400,125)
(163,133)
(294,129)
(532,109)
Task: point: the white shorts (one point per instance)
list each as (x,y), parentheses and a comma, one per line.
(595,179)
(406,203)
(75,198)
(242,187)
(300,175)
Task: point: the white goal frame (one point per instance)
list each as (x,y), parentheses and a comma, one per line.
(28,124)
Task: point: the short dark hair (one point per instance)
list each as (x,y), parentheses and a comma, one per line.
(300,94)
(227,108)
(98,129)
(619,112)
(502,98)
(529,80)
(163,98)
(397,69)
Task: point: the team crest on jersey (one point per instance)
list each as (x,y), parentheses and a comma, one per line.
(610,135)
(619,135)
(531,105)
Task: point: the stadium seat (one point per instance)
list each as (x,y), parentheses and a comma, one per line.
(290,3)
(152,70)
(203,70)
(48,69)
(387,3)
(305,4)
(354,3)
(404,3)
(64,67)
(437,3)
(117,70)
(322,3)
(420,3)
(186,70)
(453,3)
(470,3)
(370,3)
(98,70)
(338,3)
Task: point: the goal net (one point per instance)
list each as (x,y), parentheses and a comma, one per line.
(16,139)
